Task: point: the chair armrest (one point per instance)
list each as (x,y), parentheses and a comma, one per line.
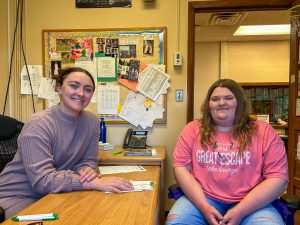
(292,201)
(174,192)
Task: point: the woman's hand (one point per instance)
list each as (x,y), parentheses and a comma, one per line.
(87,174)
(110,184)
(232,217)
(211,215)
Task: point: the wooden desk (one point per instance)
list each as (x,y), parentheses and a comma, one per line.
(94,207)
(107,158)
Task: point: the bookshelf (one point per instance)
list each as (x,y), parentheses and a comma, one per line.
(270,98)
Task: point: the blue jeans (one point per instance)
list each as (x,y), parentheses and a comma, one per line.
(187,213)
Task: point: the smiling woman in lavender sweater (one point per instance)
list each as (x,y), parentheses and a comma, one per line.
(57,149)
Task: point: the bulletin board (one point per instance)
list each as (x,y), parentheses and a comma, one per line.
(131,48)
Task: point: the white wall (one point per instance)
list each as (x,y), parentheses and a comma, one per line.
(207,68)
(260,61)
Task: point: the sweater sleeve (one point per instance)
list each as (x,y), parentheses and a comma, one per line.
(35,144)
(90,158)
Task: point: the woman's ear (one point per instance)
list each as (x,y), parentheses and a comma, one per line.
(58,88)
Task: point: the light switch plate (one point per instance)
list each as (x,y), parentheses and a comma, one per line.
(179,95)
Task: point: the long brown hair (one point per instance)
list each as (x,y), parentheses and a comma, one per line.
(243,127)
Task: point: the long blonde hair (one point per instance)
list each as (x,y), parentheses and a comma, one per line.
(243,127)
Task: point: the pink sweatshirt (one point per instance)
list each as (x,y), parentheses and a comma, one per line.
(221,172)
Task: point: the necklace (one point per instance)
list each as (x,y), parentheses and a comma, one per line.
(216,145)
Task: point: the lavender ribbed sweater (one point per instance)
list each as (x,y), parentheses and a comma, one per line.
(52,147)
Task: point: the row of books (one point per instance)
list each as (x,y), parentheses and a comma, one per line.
(266,92)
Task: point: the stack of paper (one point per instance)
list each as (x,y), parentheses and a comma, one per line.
(105,146)
(140,152)
(143,185)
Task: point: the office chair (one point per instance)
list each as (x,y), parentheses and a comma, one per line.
(286,205)
(10,129)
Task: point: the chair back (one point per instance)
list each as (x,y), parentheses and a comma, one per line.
(10,129)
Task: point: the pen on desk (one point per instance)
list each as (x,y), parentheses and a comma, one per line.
(117,152)
(49,216)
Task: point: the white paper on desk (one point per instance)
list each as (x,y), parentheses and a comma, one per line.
(47,88)
(108,99)
(152,82)
(145,185)
(35,72)
(133,109)
(90,66)
(120,169)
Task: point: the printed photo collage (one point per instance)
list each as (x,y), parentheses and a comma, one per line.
(67,51)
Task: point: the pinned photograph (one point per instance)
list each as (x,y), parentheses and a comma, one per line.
(100,41)
(63,45)
(100,48)
(108,42)
(123,69)
(55,68)
(132,50)
(127,51)
(114,52)
(107,51)
(134,66)
(124,51)
(148,47)
(115,42)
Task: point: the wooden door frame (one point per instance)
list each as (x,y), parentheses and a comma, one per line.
(218,6)
(294,121)
(247,5)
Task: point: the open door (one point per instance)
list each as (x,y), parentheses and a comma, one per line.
(294,80)
(294,106)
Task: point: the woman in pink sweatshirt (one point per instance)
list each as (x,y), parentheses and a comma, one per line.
(229,166)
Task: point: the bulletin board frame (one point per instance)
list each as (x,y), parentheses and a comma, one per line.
(158,56)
